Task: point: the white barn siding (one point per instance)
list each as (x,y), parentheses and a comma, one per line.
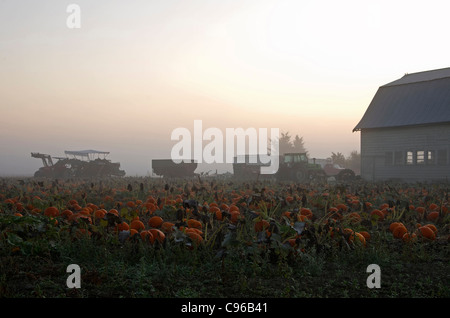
(377,165)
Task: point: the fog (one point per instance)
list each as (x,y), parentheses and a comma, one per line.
(134,72)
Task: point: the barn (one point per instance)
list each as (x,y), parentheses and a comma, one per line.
(405,131)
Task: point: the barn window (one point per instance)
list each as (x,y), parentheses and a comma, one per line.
(420,157)
(409,157)
(430,157)
(398,158)
(442,157)
(388,158)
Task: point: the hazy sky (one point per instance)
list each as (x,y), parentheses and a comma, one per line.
(136,70)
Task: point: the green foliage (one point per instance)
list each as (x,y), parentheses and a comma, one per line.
(289,258)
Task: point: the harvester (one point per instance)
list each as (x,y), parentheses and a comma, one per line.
(78,164)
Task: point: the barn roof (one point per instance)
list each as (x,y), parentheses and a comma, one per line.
(415,99)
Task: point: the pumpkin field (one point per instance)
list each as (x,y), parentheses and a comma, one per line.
(201,238)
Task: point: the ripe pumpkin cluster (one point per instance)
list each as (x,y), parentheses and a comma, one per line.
(145,217)
(399,231)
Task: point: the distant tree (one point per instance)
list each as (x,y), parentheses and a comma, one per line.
(299,145)
(353,161)
(287,145)
(338,158)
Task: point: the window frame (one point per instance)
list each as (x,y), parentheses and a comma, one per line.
(408,154)
(420,157)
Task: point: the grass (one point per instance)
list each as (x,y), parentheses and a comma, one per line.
(136,270)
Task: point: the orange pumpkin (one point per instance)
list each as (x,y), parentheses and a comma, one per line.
(287,214)
(137,225)
(35,211)
(194,224)
(427,232)
(354,217)
(195,237)
(431,226)
(155,221)
(19,207)
(219,215)
(213,209)
(261,225)
(394,225)
(292,242)
(433,216)
(420,210)
(167,227)
(365,234)
(144,235)
(377,214)
(350,233)
(131,204)
(360,238)
(409,237)
(114,211)
(51,211)
(66,213)
(306,212)
(235,216)
(302,218)
(399,231)
(151,207)
(100,214)
(123,226)
(156,235)
(147,236)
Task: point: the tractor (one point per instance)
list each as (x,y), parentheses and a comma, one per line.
(296,167)
(292,167)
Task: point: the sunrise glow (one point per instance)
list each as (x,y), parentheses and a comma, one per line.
(135,71)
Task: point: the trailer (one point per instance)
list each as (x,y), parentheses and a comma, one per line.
(168,168)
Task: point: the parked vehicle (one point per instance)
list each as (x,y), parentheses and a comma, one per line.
(168,168)
(78,164)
